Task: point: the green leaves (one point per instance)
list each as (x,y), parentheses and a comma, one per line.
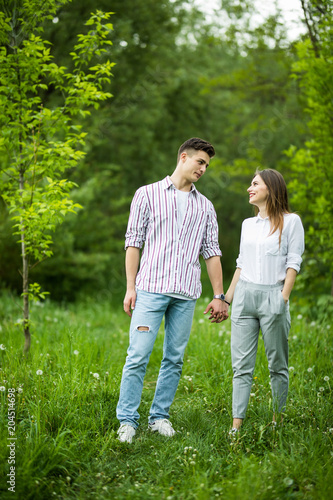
(38,143)
(312,164)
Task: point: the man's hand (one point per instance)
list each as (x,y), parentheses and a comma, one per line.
(129,302)
(218,311)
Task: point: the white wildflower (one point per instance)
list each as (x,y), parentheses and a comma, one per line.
(39,372)
(2,388)
(96,375)
(326,378)
(76,352)
(2,347)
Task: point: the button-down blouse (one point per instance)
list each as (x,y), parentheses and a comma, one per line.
(261,259)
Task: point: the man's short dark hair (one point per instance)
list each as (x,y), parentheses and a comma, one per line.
(196,144)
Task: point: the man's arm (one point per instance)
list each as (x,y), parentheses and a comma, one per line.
(131,265)
(218,309)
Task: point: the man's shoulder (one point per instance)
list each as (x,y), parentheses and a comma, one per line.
(154,185)
(147,189)
(203,201)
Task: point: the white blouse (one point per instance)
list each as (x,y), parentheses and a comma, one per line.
(261,259)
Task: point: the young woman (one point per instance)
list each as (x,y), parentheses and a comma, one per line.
(270,256)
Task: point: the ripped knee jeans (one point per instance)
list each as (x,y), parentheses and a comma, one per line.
(150,308)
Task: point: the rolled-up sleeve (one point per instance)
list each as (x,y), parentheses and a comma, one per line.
(210,244)
(138,221)
(295,244)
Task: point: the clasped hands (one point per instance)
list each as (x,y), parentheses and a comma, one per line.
(218,311)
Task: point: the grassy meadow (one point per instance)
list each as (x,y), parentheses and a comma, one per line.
(66,391)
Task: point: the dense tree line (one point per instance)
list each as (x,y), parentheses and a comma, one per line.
(177,76)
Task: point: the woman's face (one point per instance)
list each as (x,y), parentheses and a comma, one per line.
(258,192)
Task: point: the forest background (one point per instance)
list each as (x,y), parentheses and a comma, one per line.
(262,100)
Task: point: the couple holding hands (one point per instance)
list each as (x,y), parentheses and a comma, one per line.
(176,224)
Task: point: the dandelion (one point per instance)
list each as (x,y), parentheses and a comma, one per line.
(20,390)
(330,430)
(299,316)
(106,373)
(321,389)
(310,370)
(328,327)
(294,337)
(96,375)
(2,347)
(288,481)
(326,378)
(201,320)
(291,368)
(313,323)
(2,388)
(76,352)
(39,372)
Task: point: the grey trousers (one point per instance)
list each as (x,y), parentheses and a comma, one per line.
(259,307)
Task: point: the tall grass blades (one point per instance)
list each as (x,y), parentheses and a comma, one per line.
(64,424)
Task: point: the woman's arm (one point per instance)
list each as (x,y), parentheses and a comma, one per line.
(289,283)
(231,290)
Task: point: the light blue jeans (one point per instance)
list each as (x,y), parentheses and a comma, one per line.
(259,307)
(148,313)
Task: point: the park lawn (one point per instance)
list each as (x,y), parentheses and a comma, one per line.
(66,391)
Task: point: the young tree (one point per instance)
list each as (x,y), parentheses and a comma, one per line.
(37,143)
(312,164)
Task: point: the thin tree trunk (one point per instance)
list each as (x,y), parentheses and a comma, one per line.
(25,287)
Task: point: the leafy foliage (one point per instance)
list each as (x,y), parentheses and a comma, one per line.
(312,164)
(39,143)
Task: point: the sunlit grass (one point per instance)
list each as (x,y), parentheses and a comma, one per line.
(67,390)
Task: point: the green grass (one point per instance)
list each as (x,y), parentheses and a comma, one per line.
(66,444)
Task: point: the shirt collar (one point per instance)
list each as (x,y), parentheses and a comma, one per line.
(261,219)
(167,183)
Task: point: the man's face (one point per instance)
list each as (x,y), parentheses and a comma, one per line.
(194,165)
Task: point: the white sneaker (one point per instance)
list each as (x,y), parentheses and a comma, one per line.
(126,433)
(163,427)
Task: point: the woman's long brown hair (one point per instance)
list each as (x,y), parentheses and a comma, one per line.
(277,202)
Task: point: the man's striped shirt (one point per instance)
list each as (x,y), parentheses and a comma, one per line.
(170,258)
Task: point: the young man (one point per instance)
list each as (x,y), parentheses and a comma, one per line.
(175,223)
